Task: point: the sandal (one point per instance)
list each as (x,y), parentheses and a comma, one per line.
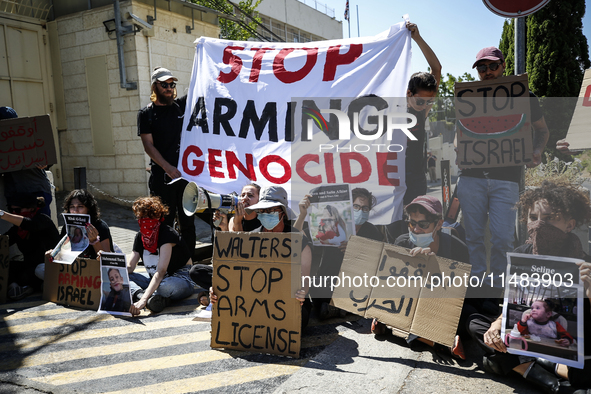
(378,328)
(457,350)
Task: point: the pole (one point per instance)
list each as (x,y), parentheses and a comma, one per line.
(358,34)
(520,69)
(349,23)
(80,178)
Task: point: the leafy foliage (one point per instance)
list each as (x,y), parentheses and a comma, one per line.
(444,107)
(231,30)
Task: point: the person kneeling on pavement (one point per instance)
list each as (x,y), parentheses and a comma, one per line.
(166,258)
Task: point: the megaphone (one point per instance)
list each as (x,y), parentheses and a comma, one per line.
(197,199)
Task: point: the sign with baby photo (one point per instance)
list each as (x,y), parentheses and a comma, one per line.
(75,241)
(543,308)
(116,297)
(331,215)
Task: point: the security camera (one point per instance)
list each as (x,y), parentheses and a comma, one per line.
(139,22)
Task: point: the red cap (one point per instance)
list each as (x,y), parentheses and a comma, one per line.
(489,53)
(430,203)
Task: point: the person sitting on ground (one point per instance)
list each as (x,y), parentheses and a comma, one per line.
(118,298)
(165,256)
(33,232)
(274,214)
(331,258)
(552,212)
(425,237)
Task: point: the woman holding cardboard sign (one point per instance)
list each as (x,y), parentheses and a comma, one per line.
(274,214)
(552,211)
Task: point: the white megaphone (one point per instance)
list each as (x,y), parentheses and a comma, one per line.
(197,199)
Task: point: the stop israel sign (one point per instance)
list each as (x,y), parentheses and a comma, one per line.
(514,8)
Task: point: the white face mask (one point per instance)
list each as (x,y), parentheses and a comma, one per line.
(421,240)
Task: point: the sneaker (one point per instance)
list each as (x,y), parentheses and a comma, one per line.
(16,292)
(157,303)
(491,366)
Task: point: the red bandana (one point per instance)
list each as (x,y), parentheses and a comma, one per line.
(149,229)
(23,233)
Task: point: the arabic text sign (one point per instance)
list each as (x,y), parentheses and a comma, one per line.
(26,143)
(494,123)
(409,293)
(252,277)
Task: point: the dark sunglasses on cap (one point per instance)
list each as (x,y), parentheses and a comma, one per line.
(165,85)
(493,67)
(424,224)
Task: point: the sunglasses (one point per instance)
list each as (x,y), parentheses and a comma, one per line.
(269,210)
(493,67)
(424,224)
(420,101)
(165,85)
(364,208)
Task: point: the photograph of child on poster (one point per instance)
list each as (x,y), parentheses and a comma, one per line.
(540,312)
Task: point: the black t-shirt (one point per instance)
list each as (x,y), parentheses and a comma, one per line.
(513,173)
(249,225)
(368,230)
(416,151)
(104,233)
(450,247)
(165,123)
(180,251)
(42,237)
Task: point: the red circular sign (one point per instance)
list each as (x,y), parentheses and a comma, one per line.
(514,8)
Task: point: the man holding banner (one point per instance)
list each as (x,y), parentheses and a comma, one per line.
(491,193)
(159,125)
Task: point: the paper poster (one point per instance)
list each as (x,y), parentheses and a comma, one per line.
(75,241)
(543,308)
(330,215)
(116,297)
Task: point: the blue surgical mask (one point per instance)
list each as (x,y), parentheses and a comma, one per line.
(269,220)
(421,240)
(360,217)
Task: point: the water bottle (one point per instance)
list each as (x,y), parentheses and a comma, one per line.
(514,339)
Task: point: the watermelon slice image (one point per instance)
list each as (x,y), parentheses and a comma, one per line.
(488,127)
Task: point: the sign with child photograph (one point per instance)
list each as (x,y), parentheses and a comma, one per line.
(116,297)
(75,241)
(330,215)
(254,275)
(494,123)
(543,308)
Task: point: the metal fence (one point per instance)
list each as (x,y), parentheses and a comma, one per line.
(318,6)
(38,9)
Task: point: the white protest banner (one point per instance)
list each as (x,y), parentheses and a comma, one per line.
(300,115)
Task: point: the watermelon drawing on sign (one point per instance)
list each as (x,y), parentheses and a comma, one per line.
(487,127)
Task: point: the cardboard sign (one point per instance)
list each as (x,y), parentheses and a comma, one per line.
(411,294)
(578,132)
(26,143)
(494,123)
(254,275)
(4,265)
(78,284)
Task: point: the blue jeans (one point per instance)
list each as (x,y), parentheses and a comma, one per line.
(479,198)
(175,287)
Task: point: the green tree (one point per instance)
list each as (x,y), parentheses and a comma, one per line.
(229,29)
(556,57)
(444,108)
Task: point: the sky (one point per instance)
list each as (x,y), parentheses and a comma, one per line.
(455,29)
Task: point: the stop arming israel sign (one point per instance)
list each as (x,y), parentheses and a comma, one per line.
(286,114)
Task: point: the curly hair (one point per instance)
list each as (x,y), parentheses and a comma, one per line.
(87,199)
(563,197)
(364,193)
(149,207)
(422,81)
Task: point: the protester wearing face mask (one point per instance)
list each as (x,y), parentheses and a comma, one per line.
(274,214)
(424,231)
(425,237)
(552,211)
(331,258)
